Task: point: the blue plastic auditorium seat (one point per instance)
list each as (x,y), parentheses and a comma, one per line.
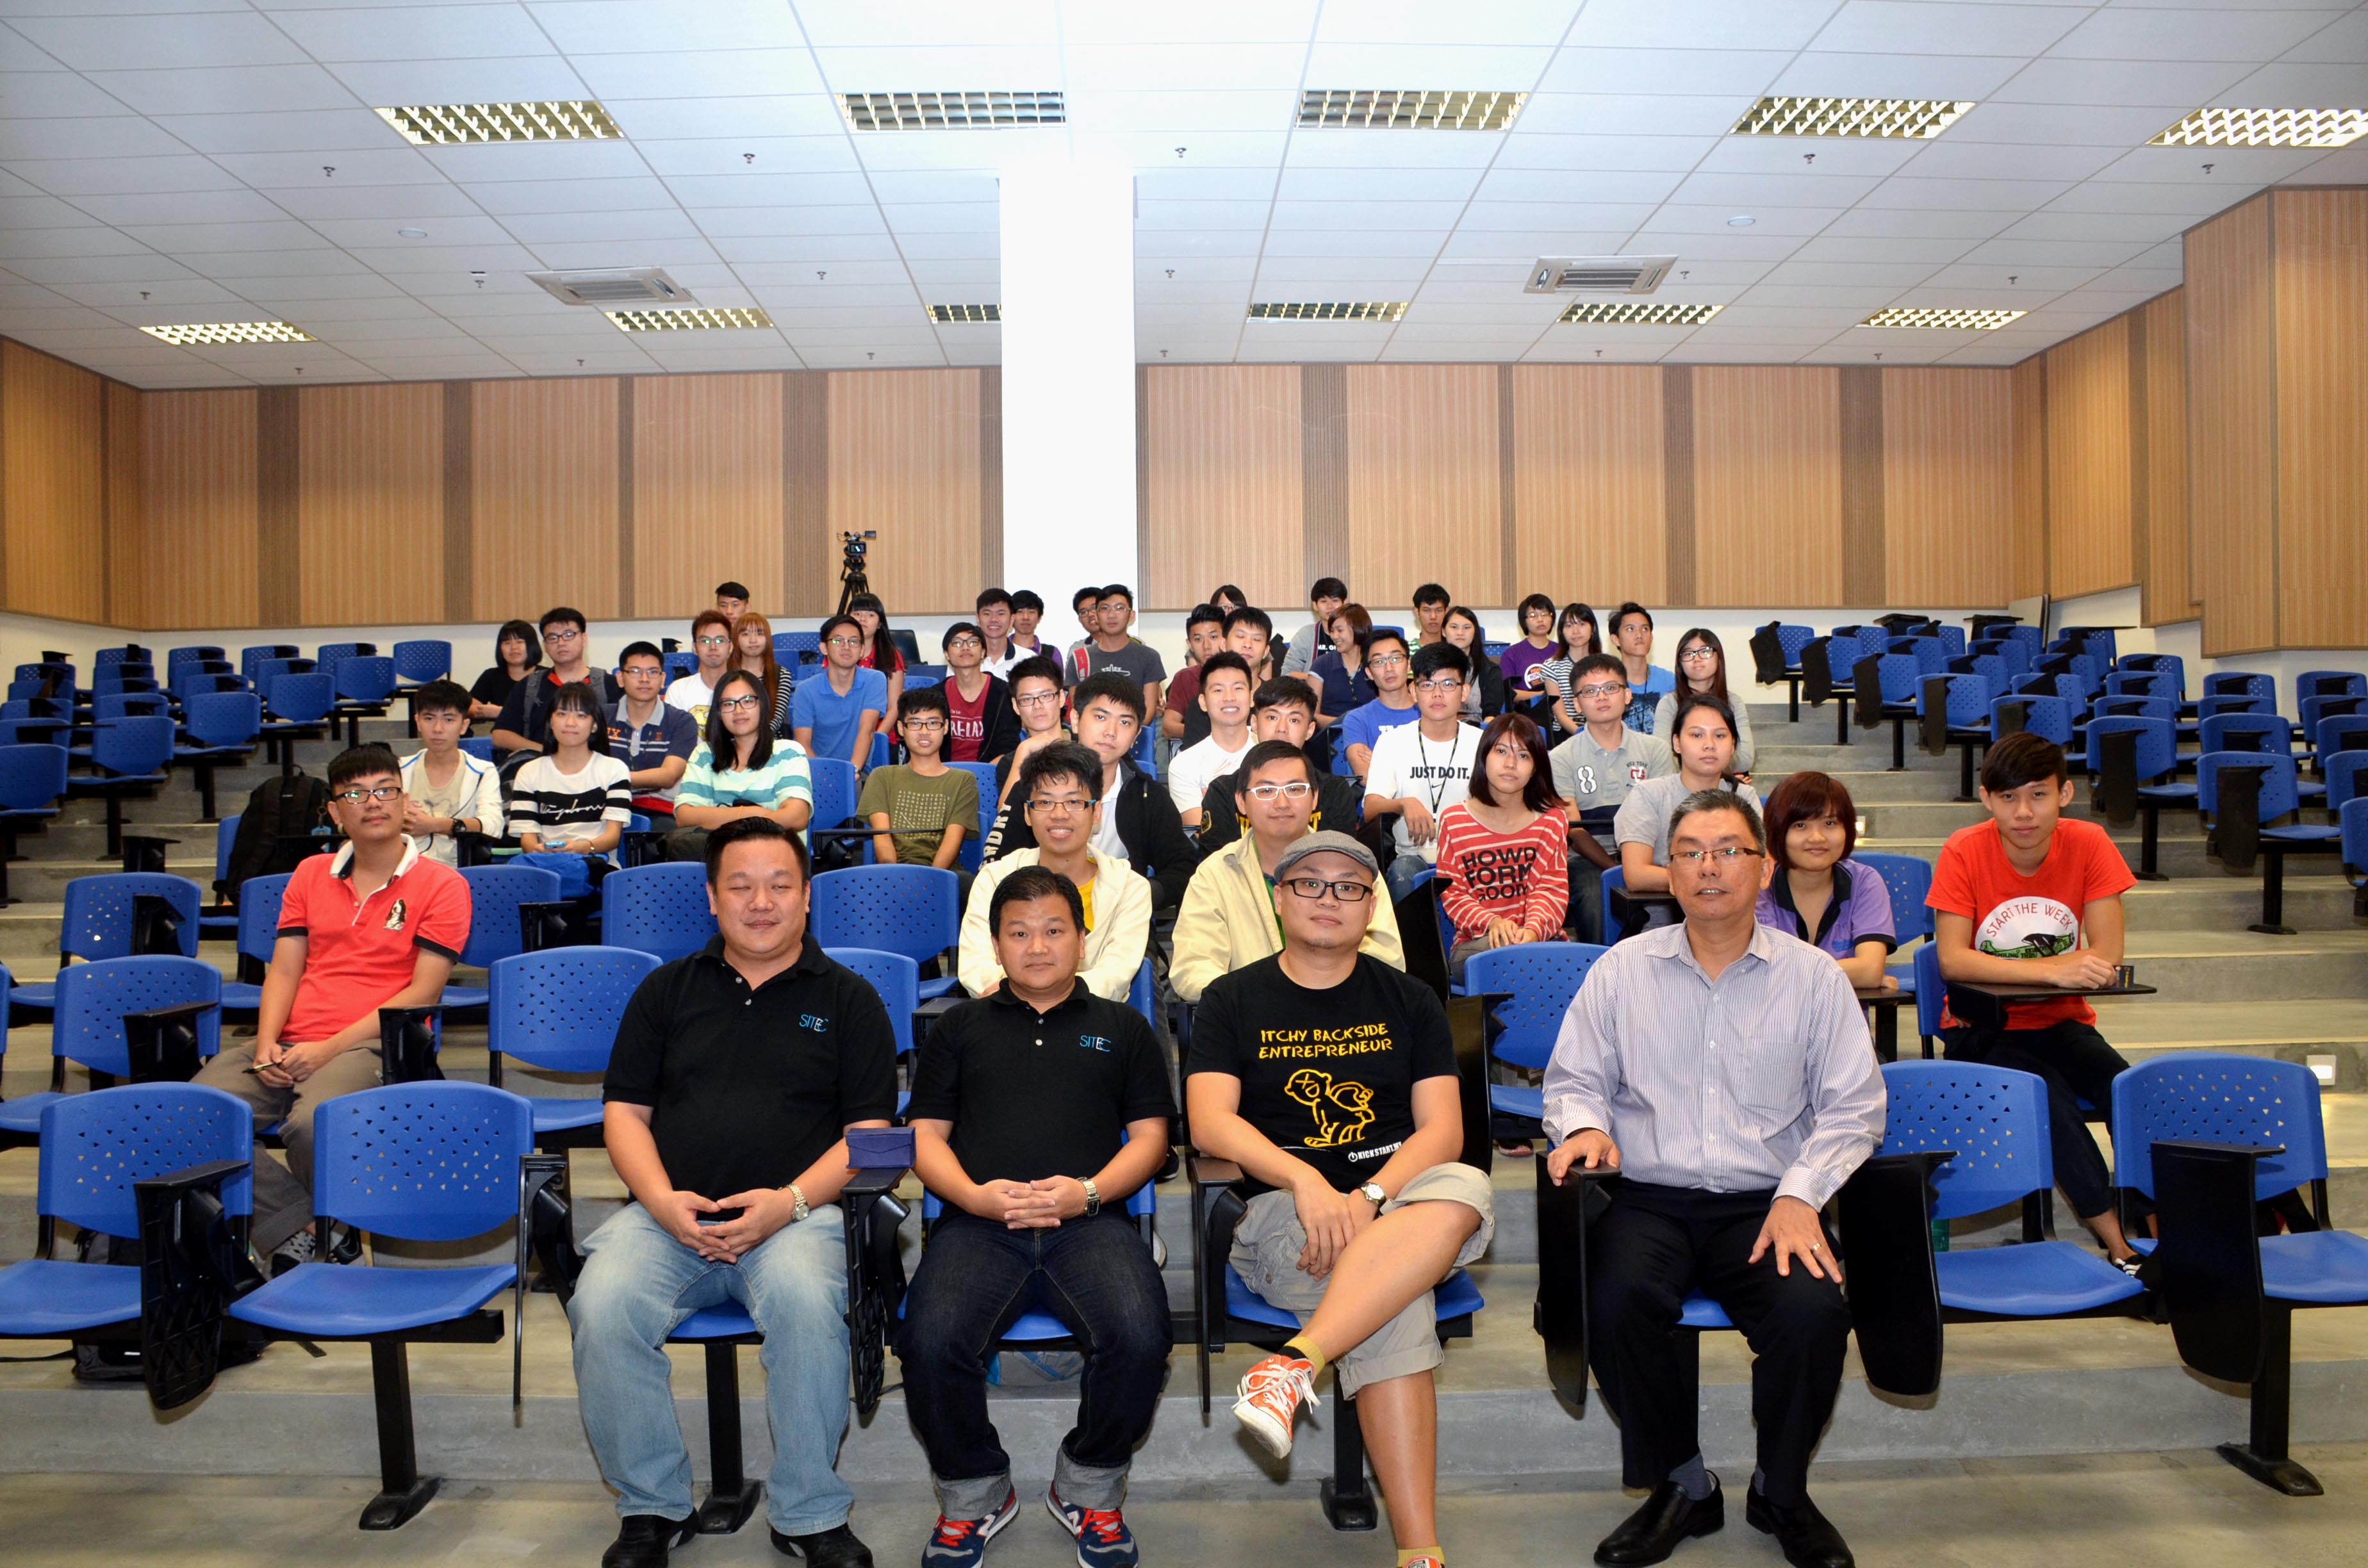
(1538,980)
(558,1010)
(660,909)
(496,893)
(913,910)
(258,935)
(98,918)
(87,1026)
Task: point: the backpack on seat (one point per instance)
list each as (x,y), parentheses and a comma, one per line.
(279,828)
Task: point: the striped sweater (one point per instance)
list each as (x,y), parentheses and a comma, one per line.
(1523,877)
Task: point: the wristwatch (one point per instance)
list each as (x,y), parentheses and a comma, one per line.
(1372,1193)
(797,1209)
(1093,1197)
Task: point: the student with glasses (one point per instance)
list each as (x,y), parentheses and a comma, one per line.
(1036,704)
(919,810)
(1330,1077)
(1418,770)
(1058,793)
(710,639)
(376,925)
(981,724)
(1282,710)
(1701,668)
(1576,637)
(1725,1071)
(1536,645)
(838,714)
(1228,919)
(523,728)
(651,737)
(739,770)
(1704,745)
(1594,770)
(1391,668)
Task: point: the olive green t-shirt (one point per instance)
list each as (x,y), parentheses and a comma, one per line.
(919,810)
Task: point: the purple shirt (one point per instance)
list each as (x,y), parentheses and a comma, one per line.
(1517,661)
(1859,912)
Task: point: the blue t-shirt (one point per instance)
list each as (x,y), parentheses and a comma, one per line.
(834,719)
(1363,726)
(1643,699)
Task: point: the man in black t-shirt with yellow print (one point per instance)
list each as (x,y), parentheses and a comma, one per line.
(1330,1078)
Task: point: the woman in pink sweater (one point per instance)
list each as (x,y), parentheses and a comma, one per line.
(1504,872)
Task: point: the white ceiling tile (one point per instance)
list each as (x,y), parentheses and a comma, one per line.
(1392,272)
(1339,185)
(1585,114)
(450,229)
(624,194)
(774,115)
(1460,152)
(542,229)
(1578,186)
(2031,284)
(2345,165)
(632,27)
(2297,82)
(1788,156)
(413,32)
(1750,193)
(1849,274)
(1736,245)
(1455,66)
(44,94)
(1259,149)
(110,137)
(1954,77)
(43,212)
(352,284)
(1736,24)
(1532,150)
(796,321)
(2087,125)
(162,294)
(288,262)
(1859,296)
(2228,32)
(893,187)
(2118,81)
(1679,218)
(1985,194)
(393,206)
(806,251)
(699,74)
(882,270)
(964,275)
(456,260)
(2193,201)
(2344,39)
(1789,318)
(1931,222)
(1381,245)
(875,68)
(1885,26)
(2233,169)
(787,222)
(1993,160)
(314,130)
(1200,214)
(1933,252)
(516,80)
(354,166)
(191,207)
(382,313)
(1633,70)
(520,161)
(2044,254)
(26,243)
(1159,108)
(667,253)
(942,246)
(826,297)
(222,90)
(957,22)
(943,217)
(211,38)
(1246,69)
(729,155)
(195,239)
(1439,216)
(790,189)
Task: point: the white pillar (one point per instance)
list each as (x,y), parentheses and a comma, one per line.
(1068,380)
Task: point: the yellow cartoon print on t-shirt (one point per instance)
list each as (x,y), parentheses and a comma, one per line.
(1342,1111)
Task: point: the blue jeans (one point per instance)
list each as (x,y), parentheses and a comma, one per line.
(638,1284)
(1399,879)
(975,1278)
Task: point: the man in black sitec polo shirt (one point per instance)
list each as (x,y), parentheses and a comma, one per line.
(736,1075)
(1036,1112)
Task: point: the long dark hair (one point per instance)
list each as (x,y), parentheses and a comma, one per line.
(1576,612)
(723,745)
(768,668)
(886,657)
(518,628)
(1538,794)
(1690,700)
(1709,639)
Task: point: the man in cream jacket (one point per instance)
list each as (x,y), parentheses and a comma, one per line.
(1227,919)
(1058,790)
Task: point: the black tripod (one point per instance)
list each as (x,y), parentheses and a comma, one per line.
(852,583)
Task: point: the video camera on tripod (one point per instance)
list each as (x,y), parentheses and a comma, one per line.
(851,578)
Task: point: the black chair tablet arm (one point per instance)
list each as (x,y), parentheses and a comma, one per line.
(542,926)
(193,1263)
(163,1042)
(406,1044)
(1217,1206)
(1889,1277)
(1559,1315)
(2210,1258)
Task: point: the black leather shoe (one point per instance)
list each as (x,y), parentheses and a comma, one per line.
(1808,1538)
(834,1548)
(644,1540)
(1653,1531)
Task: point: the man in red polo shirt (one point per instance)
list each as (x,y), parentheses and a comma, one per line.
(375,925)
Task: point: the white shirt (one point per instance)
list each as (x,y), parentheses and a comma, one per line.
(1437,773)
(1194,770)
(691,693)
(1106,841)
(1001,668)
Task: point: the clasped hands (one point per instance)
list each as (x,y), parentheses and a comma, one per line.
(1027,1205)
(1792,1232)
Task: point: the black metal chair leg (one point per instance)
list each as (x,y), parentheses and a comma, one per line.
(1898,744)
(1841,722)
(2273,893)
(2263,1457)
(402,1491)
(2150,843)
(732,1496)
(1348,1495)
(114,827)
(1966,771)
(206,791)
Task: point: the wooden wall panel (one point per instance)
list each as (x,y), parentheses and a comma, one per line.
(542,496)
(2232,428)
(1767,485)
(1424,480)
(905,460)
(370,503)
(2027,569)
(1590,483)
(2089,498)
(707,492)
(2320,252)
(53,495)
(120,406)
(2170,592)
(1224,484)
(1948,486)
(184,559)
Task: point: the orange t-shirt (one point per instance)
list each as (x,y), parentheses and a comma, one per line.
(2017,916)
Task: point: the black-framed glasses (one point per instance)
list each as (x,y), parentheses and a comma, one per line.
(1602,689)
(715,641)
(381,793)
(749,703)
(1316,887)
(925,726)
(561,634)
(1061,807)
(1719,859)
(1036,699)
(1696,655)
(1444,685)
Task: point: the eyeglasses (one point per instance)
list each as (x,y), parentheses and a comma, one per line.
(963,642)
(1385,661)
(381,793)
(1316,887)
(925,726)
(1445,686)
(1036,699)
(847,641)
(1696,655)
(731,703)
(715,641)
(1268,794)
(1066,806)
(647,671)
(1602,689)
(562,635)
(1710,859)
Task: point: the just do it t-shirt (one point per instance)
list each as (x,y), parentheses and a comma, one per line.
(2017,916)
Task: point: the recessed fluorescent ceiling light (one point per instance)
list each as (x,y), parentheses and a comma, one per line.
(965,312)
(2266,127)
(696,318)
(1367,310)
(204,332)
(1914,118)
(440,125)
(1591,313)
(1954,320)
(951,111)
(1364,110)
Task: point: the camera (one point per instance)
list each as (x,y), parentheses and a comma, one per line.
(856,547)
(851,578)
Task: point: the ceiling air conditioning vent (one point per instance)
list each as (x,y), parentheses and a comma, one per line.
(614,286)
(1599,273)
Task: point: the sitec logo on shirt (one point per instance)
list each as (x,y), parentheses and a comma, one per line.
(2029,928)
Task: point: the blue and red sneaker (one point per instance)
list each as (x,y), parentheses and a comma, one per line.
(962,1543)
(1103,1539)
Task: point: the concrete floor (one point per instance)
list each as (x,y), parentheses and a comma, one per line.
(2171,1510)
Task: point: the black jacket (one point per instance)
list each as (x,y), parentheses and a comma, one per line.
(1494,687)
(1002,720)
(1157,843)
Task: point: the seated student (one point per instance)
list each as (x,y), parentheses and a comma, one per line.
(880,650)
(1503,856)
(1339,678)
(992,612)
(1085,604)
(1536,615)
(518,654)
(1704,745)
(1325,598)
(736,1074)
(1574,638)
(1113,647)
(1228,597)
(1204,634)
(1225,697)
(376,925)
(981,725)
(1818,893)
(1138,821)
(1056,794)
(1358,1205)
(523,726)
(731,600)
(1227,920)
(2032,898)
(711,638)
(445,791)
(1390,667)
(1036,701)
(836,713)
(1484,692)
(752,649)
(739,770)
(651,737)
(1034,1148)
(1702,666)
(1249,631)
(1632,631)
(1283,709)
(572,800)
(1026,610)
(1418,770)
(1594,770)
(919,809)
(1431,603)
